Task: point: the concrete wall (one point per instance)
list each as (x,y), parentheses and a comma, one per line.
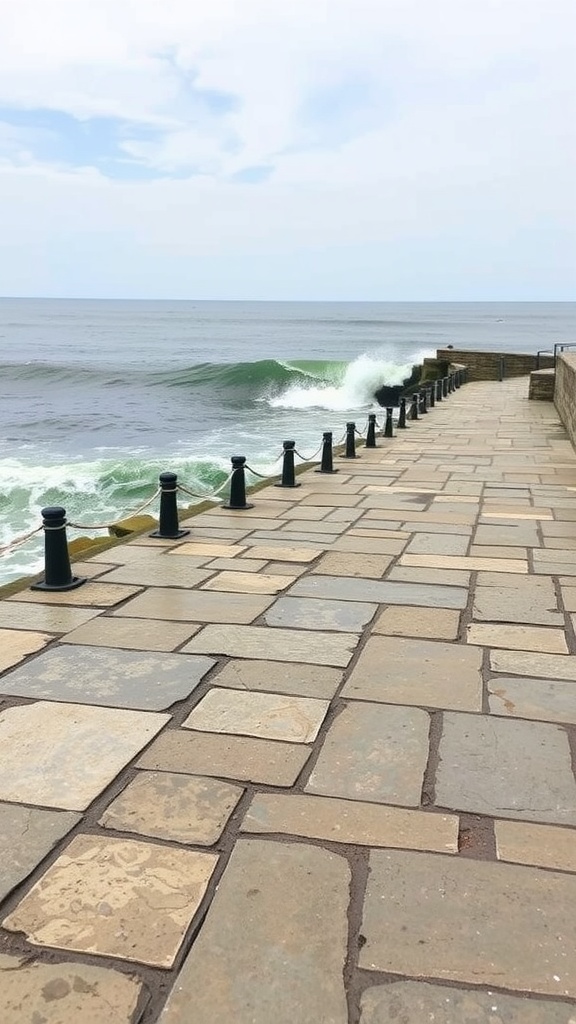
(565,392)
(486,365)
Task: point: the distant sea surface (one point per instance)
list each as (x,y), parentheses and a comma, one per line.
(98,397)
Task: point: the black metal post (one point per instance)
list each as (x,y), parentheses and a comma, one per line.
(402,415)
(432,395)
(457,379)
(450,383)
(389,425)
(350,452)
(439,395)
(237,497)
(371,431)
(168,526)
(57,571)
(423,404)
(501,368)
(414,407)
(445,387)
(288,476)
(326,464)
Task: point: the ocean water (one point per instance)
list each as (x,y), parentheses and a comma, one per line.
(98,397)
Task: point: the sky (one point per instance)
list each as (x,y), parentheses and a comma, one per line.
(393,150)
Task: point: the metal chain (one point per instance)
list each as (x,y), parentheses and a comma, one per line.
(212,494)
(105,526)
(308,458)
(261,475)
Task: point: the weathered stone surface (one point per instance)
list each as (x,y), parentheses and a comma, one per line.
(507,769)
(433,623)
(518,565)
(522,534)
(233,757)
(471,921)
(404,671)
(281,553)
(437,544)
(414,1001)
(277,927)
(292,535)
(312,648)
(93,594)
(48,619)
(27,834)
(205,549)
(368,545)
(517,638)
(195,606)
(544,846)
(109,677)
(35,993)
(247,583)
(246,565)
(349,821)
(64,755)
(17,644)
(445,577)
(173,806)
(159,571)
(347,589)
(131,634)
(272,716)
(373,752)
(275,677)
(339,563)
(115,897)
(533,601)
(311,613)
(546,700)
(527,663)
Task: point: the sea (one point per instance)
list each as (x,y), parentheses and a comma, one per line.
(98,397)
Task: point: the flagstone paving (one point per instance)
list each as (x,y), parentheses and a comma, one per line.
(313,762)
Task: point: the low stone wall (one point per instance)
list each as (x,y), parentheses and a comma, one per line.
(487,365)
(542,385)
(565,392)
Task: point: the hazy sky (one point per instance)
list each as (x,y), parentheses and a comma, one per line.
(316,149)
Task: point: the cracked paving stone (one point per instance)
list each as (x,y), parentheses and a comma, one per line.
(431,916)
(506,768)
(150,681)
(27,834)
(65,993)
(273,945)
(276,677)
(418,1001)
(267,715)
(115,897)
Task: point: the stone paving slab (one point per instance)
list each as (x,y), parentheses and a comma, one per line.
(336,563)
(204,549)
(266,715)
(375,753)
(529,663)
(289,537)
(275,677)
(350,821)
(66,993)
(413,1002)
(437,544)
(158,572)
(166,805)
(517,638)
(444,577)
(278,927)
(411,671)
(64,755)
(506,769)
(533,600)
(194,606)
(149,681)
(231,757)
(431,623)
(546,700)
(546,846)
(382,592)
(17,644)
(307,646)
(45,618)
(246,565)
(368,545)
(283,553)
(132,634)
(247,583)
(27,834)
(430,916)
(115,897)
(464,562)
(311,613)
(92,594)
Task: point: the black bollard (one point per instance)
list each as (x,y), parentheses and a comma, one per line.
(57,571)
(388,426)
(414,407)
(402,415)
(432,396)
(237,496)
(445,387)
(457,379)
(288,477)
(327,464)
(439,395)
(371,432)
(450,383)
(350,452)
(168,526)
(423,402)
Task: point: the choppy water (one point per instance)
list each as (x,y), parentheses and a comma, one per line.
(97,398)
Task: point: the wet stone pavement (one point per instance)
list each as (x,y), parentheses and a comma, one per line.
(313,763)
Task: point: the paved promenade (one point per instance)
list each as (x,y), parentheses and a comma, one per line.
(314,762)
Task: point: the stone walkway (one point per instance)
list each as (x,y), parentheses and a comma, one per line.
(313,763)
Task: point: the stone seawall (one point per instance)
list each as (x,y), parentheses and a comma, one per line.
(486,365)
(565,392)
